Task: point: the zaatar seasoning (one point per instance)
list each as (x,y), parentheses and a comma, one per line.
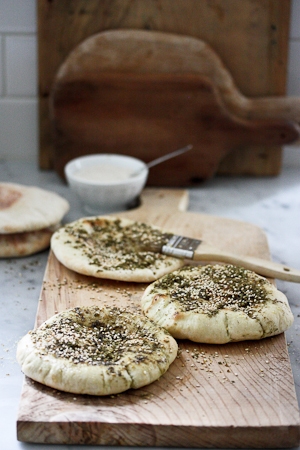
(103,339)
(111,246)
(215,287)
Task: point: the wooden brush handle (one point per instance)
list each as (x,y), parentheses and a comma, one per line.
(261,266)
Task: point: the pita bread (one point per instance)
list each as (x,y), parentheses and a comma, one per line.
(107,247)
(217,304)
(25,244)
(96,351)
(29,208)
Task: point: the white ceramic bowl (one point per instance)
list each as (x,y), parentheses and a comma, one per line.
(103,183)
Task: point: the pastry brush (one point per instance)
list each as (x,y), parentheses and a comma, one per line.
(198,250)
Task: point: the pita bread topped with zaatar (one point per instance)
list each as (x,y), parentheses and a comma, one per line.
(28,217)
(216,304)
(112,248)
(96,351)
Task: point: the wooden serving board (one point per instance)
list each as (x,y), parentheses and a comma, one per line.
(234,395)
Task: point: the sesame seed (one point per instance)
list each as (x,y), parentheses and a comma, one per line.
(110,245)
(102,341)
(210,288)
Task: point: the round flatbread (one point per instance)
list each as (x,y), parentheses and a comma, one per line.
(217,304)
(24,244)
(113,248)
(29,208)
(96,351)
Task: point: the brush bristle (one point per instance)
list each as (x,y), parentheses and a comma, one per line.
(156,243)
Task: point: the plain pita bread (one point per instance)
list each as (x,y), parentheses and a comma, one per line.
(96,351)
(216,304)
(109,247)
(29,208)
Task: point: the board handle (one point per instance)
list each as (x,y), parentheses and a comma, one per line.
(168,199)
(278,108)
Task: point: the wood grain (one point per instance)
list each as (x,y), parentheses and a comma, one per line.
(237,395)
(142,115)
(250,36)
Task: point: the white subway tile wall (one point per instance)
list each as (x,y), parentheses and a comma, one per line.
(18,16)
(1,67)
(18,79)
(20,70)
(291,155)
(293,86)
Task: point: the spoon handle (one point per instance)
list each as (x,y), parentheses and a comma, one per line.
(169,156)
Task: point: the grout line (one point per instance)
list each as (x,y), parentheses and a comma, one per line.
(18,32)
(18,99)
(3,66)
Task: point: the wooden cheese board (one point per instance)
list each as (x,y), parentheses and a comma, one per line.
(239,395)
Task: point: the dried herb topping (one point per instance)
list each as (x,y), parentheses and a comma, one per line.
(110,245)
(213,287)
(97,336)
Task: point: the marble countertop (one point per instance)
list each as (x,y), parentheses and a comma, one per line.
(273,204)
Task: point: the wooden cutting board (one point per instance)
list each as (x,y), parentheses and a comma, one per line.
(128,51)
(145,93)
(250,36)
(237,395)
(147,115)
